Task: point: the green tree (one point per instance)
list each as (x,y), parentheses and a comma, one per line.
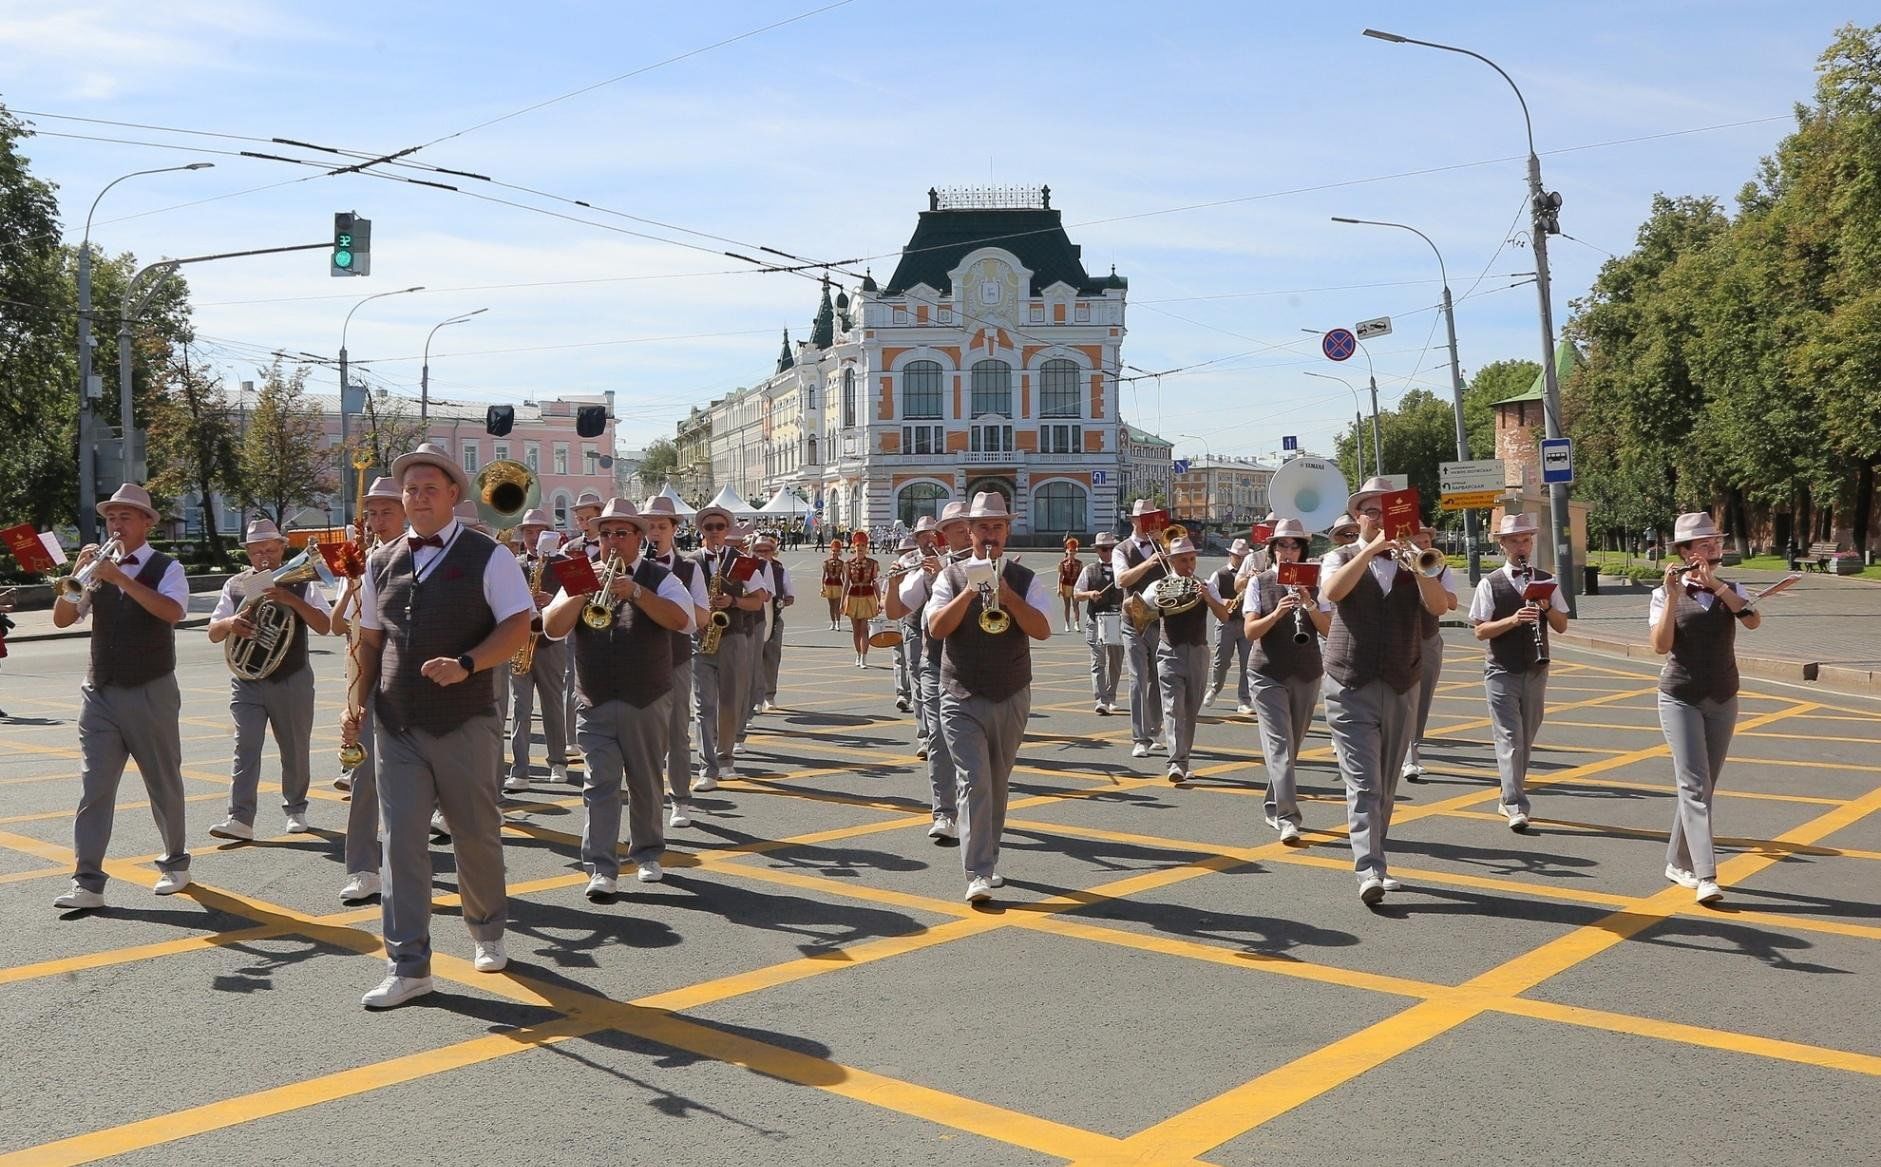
(38,466)
(658,464)
(386,427)
(283,464)
(195,444)
(1419,434)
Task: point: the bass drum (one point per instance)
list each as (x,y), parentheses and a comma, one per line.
(1308,489)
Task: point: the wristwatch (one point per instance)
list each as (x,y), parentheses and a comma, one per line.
(467,663)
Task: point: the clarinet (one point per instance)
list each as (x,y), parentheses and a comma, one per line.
(1301,633)
(1541,640)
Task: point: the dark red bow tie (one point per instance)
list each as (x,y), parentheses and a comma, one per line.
(424,541)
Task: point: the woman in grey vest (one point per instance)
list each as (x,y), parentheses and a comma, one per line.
(1103,611)
(1283,626)
(1515,666)
(1693,620)
(1373,658)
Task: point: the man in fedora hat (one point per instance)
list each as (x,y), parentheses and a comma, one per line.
(1344,532)
(1515,665)
(723,680)
(1692,620)
(586,541)
(1231,643)
(1373,657)
(1283,626)
(129,704)
(1182,659)
(548,668)
(284,699)
(917,588)
(625,676)
(442,609)
(1137,566)
(986,679)
(1103,615)
(385,521)
(662,520)
(774,578)
(1430,672)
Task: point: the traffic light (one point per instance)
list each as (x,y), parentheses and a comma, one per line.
(352,245)
(499,419)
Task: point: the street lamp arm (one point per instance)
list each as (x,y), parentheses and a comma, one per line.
(1441,269)
(1395,39)
(134,174)
(369,299)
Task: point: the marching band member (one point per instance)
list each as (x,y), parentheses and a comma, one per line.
(1515,664)
(283,700)
(587,541)
(385,521)
(130,705)
(861,606)
(1431,672)
(917,588)
(1137,567)
(1103,604)
(1372,658)
(775,579)
(662,520)
(926,541)
(1283,627)
(1231,643)
(1069,569)
(624,672)
(907,657)
(1693,621)
(1182,660)
(722,680)
(986,679)
(442,609)
(835,581)
(548,672)
(1344,532)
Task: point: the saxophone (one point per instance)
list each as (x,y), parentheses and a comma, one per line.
(720,620)
(525,658)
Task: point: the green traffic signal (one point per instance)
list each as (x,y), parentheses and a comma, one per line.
(351,254)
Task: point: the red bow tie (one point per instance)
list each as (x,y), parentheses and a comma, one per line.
(424,541)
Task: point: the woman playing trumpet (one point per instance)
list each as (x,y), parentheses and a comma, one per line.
(1515,663)
(1283,627)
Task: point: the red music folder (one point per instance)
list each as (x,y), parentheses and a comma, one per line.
(1261,533)
(742,568)
(29,547)
(576,575)
(1401,517)
(1539,590)
(1297,575)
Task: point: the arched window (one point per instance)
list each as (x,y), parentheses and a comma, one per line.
(992,388)
(849,398)
(918,499)
(1059,507)
(1058,390)
(921,389)
(810,456)
(561,512)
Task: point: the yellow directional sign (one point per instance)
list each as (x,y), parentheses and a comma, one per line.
(1469,500)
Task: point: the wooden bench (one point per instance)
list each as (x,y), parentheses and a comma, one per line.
(1821,556)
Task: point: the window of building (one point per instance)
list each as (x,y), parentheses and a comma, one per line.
(470,457)
(992,388)
(921,389)
(919,500)
(992,439)
(532,456)
(1059,506)
(1082,313)
(561,512)
(901,315)
(590,460)
(1058,390)
(501,453)
(561,457)
(946,313)
(1061,439)
(923,439)
(1038,314)
(810,455)
(849,398)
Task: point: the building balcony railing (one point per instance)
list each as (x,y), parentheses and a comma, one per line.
(1009,457)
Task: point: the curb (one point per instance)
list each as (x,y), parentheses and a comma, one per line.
(1843,678)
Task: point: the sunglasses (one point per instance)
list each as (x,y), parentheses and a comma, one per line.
(716,527)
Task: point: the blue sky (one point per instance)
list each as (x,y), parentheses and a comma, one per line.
(820,138)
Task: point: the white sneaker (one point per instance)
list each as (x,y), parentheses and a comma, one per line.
(515,784)
(1709,892)
(171,882)
(233,828)
(297,824)
(1390,884)
(738,749)
(1517,820)
(1208,697)
(1411,772)
(1371,889)
(920,751)
(1244,709)
(602,886)
(559,773)
(1140,750)
(681,816)
(650,872)
(360,886)
(1681,877)
(1110,708)
(902,704)
(490,956)
(1176,776)
(343,782)
(944,828)
(395,991)
(1159,746)
(996,880)
(979,890)
(439,827)
(79,899)
(1289,833)
(704,784)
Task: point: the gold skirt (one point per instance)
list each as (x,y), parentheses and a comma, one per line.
(862,607)
(832,591)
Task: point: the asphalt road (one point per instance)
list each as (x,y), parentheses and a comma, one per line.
(1159,982)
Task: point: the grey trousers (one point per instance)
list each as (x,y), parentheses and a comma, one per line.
(1231,649)
(285,705)
(1106,664)
(983,738)
(942,780)
(625,746)
(721,691)
(1146,697)
(1371,729)
(679,733)
(906,683)
(568,692)
(1430,671)
(455,773)
(1179,672)
(363,848)
(1516,701)
(1699,735)
(1284,710)
(771,659)
(116,724)
(546,676)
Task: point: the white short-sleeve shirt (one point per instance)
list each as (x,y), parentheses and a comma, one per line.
(174,584)
(1483,603)
(505,588)
(229,600)
(670,589)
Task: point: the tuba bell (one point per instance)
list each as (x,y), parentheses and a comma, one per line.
(505,492)
(255,658)
(1309,489)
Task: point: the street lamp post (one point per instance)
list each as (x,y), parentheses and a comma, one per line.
(346,491)
(1358,424)
(424,376)
(87,425)
(1456,378)
(1542,207)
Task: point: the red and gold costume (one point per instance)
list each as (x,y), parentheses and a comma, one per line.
(862,603)
(835,573)
(1068,569)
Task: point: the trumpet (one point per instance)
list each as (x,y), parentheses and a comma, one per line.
(1422,560)
(598,612)
(72,588)
(994,621)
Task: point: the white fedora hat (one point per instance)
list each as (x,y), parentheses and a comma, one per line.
(431,454)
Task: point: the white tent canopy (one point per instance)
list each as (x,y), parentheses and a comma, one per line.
(727,499)
(679,504)
(785,503)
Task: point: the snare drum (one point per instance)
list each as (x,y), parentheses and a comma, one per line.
(1110,628)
